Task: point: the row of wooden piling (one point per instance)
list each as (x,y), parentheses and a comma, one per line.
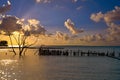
(61,52)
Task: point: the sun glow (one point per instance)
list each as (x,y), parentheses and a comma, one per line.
(13,45)
(16,33)
(7,61)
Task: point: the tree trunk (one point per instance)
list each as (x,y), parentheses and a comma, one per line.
(12,45)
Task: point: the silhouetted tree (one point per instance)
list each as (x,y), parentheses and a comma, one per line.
(22,42)
(3,43)
(11,24)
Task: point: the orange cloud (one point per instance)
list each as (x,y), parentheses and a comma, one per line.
(61,35)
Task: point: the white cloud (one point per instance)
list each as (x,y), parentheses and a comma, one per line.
(79,8)
(97,17)
(83,0)
(43,1)
(34,27)
(74,1)
(110,18)
(8,2)
(71,27)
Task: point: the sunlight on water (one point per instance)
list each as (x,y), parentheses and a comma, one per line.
(34,67)
(4,50)
(6,72)
(7,62)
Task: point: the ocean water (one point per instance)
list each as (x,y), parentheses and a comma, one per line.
(92,48)
(34,67)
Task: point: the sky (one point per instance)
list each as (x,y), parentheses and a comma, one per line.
(71,22)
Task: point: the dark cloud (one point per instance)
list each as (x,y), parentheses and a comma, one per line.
(9,24)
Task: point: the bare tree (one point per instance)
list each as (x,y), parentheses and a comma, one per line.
(22,42)
(12,44)
(10,24)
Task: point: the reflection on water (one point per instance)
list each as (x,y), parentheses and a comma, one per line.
(6,62)
(60,68)
(7,69)
(34,67)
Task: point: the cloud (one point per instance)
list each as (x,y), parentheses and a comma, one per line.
(74,1)
(71,27)
(43,1)
(9,24)
(5,8)
(12,23)
(97,17)
(34,27)
(60,35)
(59,7)
(49,1)
(112,16)
(113,33)
(8,2)
(79,8)
(112,19)
(108,17)
(33,21)
(91,38)
(83,0)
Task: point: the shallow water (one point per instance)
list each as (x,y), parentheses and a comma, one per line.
(34,67)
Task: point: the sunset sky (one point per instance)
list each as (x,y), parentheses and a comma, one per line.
(71,22)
